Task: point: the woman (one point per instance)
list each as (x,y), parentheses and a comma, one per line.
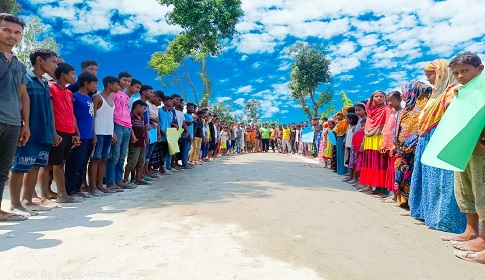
(387,146)
(432,196)
(373,172)
(341,131)
(415,95)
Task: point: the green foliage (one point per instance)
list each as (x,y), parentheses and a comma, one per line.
(31,40)
(223,111)
(329,111)
(9,6)
(310,69)
(205,25)
(346,101)
(251,111)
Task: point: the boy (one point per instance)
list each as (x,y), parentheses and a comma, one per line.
(470,184)
(198,133)
(136,151)
(66,127)
(121,136)
(90,66)
(133,91)
(29,158)
(84,112)
(187,142)
(165,115)
(14,126)
(153,161)
(103,126)
(151,120)
(286,144)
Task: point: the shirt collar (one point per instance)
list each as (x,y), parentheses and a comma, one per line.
(34,77)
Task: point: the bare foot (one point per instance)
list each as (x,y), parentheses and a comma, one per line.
(49,203)
(115,188)
(83,195)
(405,214)
(471,256)
(366,189)
(52,195)
(21,210)
(84,188)
(35,207)
(11,217)
(389,199)
(68,199)
(459,237)
(474,245)
(104,190)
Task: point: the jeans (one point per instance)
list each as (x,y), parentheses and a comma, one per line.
(204,150)
(265,145)
(116,162)
(184,151)
(75,166)
(9,139)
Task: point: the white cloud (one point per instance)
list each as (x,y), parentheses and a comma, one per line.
(256,43)
(223,99)
(245,89)
(239,101)
(244,57)
(256,65)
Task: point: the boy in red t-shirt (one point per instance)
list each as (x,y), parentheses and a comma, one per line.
(66,127)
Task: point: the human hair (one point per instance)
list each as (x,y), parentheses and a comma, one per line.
(175,95)
(362,121)
(182,100)
(167,98)
(394,94)
(466,58)
(110,80)
(159,94)
(135,82)
(12,18)
(360,105)
(315,119)
(124,74)
(191,104)
(63,68)
(201,112)
(351,110)
(144,87)
(339,114)
(86,77)
(354,119)
(86,63)
(323,119)
(42,52)
(138,103)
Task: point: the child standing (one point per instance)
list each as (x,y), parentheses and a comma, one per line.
(358,151)
(104,128)
(352,120)
(84,112)
(224,140)
(136,150)
(470,184)
(328,152)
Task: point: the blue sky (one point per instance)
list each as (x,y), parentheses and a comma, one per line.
(373,44)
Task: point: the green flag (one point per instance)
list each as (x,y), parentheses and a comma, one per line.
(454,140)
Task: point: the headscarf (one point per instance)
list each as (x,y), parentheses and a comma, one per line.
(376,116)
(411,92)
(342,125)
(443,92)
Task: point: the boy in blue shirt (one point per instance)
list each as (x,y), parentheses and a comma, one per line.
(29,158)
(84,111)
(165,115)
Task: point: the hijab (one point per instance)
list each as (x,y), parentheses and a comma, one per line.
(376,116)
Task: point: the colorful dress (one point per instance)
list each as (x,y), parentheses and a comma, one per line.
(415,95)
(432,197)
(387,145)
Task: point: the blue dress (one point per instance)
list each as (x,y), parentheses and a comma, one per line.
(341,168)
(432,196)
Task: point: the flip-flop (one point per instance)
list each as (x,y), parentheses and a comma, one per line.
(469,256)
(12,217)
(129,186)
(115,189)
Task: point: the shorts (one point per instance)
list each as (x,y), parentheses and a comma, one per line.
(60,153)
(136,157)
(30,155)
(470,187)
(103,147)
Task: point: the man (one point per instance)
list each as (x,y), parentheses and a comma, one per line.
(165,115)
(265,135)
(198,133)
(14,126)
(293,138)
(273,137)
(187,142)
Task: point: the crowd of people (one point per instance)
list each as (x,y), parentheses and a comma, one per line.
(56,126)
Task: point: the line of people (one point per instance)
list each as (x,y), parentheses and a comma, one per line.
(378,145)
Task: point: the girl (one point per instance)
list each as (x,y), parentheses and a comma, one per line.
(327,153)
(340,131)
(358,151)
(415,95)
(432,197)
(387,146)
(373,172)
(352,121)
(224,140)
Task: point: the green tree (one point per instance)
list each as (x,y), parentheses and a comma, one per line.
(223,111)
(310,69)
(9,6)
(35,36)
(205,25)
(329,111)
(346,101)
(251,111)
